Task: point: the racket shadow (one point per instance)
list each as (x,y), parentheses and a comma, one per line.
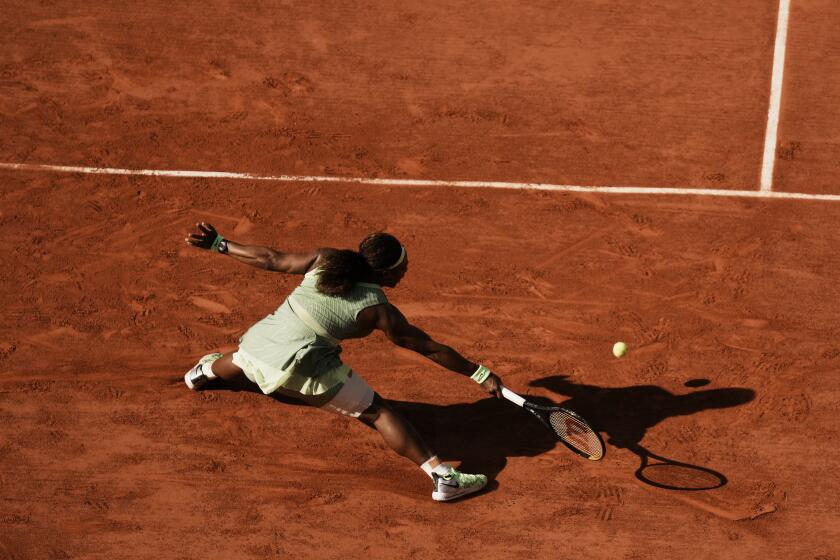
(669,474)
(625,414)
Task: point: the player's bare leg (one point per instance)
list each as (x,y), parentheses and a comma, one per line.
(209,367)
(225,368)
(401,436)
(396,431)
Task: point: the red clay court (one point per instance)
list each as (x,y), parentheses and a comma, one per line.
(686,154)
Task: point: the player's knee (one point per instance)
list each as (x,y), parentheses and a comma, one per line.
(372,413)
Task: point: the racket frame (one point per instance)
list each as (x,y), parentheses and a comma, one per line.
(537,411)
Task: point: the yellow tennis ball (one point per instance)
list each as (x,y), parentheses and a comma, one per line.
(619,349)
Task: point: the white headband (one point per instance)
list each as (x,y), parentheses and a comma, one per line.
(399,261)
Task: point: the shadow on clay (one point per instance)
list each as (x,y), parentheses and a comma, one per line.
(481,435)
(624,414)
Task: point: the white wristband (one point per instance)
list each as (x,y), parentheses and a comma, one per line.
(481,374)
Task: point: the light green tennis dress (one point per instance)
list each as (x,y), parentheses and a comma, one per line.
(296,350)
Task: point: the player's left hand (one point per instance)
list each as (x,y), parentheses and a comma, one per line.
(204,238)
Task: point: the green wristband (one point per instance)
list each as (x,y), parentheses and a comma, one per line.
(481,374)
(215,245)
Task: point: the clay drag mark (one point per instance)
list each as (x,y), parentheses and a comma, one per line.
(104,452)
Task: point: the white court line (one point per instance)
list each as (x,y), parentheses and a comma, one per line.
(415,182)
(771,135)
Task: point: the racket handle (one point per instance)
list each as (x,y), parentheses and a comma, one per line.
(512,397)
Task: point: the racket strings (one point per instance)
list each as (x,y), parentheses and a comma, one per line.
(577,433)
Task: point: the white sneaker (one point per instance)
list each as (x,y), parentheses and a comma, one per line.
(456,485)
(196,378)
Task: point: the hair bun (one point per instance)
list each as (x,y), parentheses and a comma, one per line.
(340,272)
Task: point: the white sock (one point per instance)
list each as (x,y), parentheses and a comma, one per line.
(207,370)
(440,469)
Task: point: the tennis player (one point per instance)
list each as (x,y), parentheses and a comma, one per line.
(295,351)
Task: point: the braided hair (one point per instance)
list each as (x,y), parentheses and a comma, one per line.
(342,269)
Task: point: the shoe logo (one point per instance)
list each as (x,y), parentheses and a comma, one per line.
(448,482)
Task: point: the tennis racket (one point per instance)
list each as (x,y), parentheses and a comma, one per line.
(572,430)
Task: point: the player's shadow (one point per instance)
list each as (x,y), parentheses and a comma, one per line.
(625,414)
(479,435)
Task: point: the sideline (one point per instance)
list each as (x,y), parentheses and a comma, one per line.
(771,135)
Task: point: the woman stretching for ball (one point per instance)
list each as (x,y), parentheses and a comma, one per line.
(295,351)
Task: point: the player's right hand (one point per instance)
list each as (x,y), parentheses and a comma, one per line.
(204,238)
(493,385)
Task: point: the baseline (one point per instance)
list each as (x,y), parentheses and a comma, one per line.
(417,182)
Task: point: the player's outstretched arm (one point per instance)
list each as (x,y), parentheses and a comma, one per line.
(261,257)
(396,327)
